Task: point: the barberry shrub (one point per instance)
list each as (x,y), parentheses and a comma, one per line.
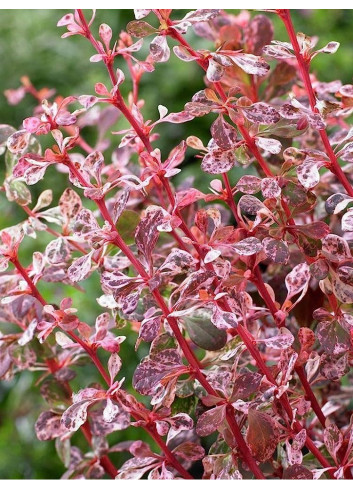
(241,296)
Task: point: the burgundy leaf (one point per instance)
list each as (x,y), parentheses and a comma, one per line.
(190,451)
(297,472)
(209,421)
(146,232)
(149,328)
(262,435)
(223,133)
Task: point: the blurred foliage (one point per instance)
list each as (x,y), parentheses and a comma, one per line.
(31,45)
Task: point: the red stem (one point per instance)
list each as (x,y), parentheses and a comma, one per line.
(304,72)
(184,345)
(34,290)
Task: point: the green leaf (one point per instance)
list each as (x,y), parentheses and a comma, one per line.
(140,28)
(126,226)
(203,332)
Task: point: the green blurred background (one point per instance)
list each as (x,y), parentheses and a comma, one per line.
(30,45)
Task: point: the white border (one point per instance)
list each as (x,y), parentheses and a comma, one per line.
(249,4)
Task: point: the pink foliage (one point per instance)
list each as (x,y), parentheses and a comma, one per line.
(244,294)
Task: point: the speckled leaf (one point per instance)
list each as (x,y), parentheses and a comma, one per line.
(253,65)
(270,188)
(333,338)
(333,439)
(297,279)
(245,385)
(48,426)
(308,173)
(149,328)
(190,451)
(249,184)
(81,268)
(114,366)
(335,248)
(262,435)
(209,421)
(297,472)
(247,246)
(159,49)
(268,144)
(250,205)
(223,133)
(76,415)
(347,221)
(57,251)
(276,250)
(261,113)
(70,204)
(218,161)
(146,232)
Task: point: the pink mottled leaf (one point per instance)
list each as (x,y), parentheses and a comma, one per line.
(69,204)
(258,33)
(276,250)
(190,451)
(159,49)
(335,248)
(146,235)
(308,172)
(251,64)
(48,426)
(223,133)
(248,246)
(279,50)
(298,472)
(298,279)
(114,366)
(270,188)
(218,161)
(149,328)
(333,338)
(81,268)
(268,144)
(261,113)
(347,221)
(149,373)
(209,421)
(76,415)
(278,342)
(18,141)
(57,251)
(262,435)
(214,71)
(249,184)
(333,439)
(245,385)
